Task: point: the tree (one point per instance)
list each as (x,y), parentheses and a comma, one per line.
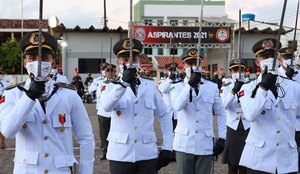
(10,57)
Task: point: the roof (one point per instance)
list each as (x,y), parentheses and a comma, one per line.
(163,60)
(17,23)
(77,28)
(145,61)
(261,27)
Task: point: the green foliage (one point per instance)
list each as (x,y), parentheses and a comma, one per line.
(10,57)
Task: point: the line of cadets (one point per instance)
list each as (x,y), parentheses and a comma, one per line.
(269,103)
(257,119)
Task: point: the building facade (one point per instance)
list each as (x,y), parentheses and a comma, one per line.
(183,13)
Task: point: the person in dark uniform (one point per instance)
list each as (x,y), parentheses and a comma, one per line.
(237,126)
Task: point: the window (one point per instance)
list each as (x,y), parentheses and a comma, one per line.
(160,51)
(148,22)
(160,22)
(174,22)
(185,22)
(148,51)
(290,44)
(89,65)
(173,51)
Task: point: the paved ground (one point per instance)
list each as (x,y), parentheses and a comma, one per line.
(101,167)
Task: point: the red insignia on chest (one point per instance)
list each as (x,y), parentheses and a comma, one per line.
(241,93)
(103,88)
(2,100)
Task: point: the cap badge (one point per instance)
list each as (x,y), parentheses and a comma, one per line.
(192,53)
(267,44)
(34,38)
(126,44)
(289,51)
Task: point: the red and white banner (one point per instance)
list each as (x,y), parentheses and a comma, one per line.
(164,34)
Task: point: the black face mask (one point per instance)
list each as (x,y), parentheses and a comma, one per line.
(216,76)
(223,76)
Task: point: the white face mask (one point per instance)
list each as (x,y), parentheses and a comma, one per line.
(103,73)
(188,70)
(286,62)
(32,68)
(281,71)
(53,71)
(268,63)
(136,65)
(235,76)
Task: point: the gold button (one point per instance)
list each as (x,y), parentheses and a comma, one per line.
(276,106)
(278,131)
(135,114)
(44,121)
(197,110)
(46,137)
(46,171)
(135,141)
(197,121)
(196,131)
(277,144)
(263,112)
(46,155)
(136,102)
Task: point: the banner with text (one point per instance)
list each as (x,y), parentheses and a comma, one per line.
(177,34)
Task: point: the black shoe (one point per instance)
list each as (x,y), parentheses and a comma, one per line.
(103,157)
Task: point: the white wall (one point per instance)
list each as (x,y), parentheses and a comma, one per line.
(87,45)
(184,10)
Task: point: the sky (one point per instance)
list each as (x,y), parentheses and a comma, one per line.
(90,12)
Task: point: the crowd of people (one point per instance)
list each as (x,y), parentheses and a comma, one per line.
(258,119)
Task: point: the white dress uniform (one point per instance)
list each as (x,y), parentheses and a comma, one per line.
(101,85)
(93,86)
(132,137)
(61,78)
(233,108)
(194,132)
(164,87)
(44,140)
(3,85)
(270,144)
(296,78)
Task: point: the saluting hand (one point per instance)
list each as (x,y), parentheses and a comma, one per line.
(268,80)
(290,72)
(195,79)
(36,89)
(237,86)
(130,76)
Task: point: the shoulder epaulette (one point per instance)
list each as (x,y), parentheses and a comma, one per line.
(65,85)
(226,84)
(250,80)
(15,85)
(174,82)
(286,78)
(114,80)
(145,77)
